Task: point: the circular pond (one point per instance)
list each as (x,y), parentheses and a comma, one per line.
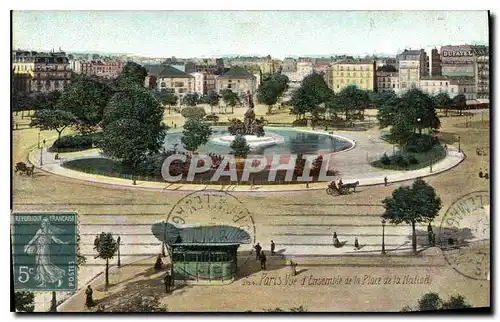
(285,141)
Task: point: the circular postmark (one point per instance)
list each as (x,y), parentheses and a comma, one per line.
(464,235)
(223,216)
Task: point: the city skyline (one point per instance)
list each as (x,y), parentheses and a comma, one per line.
(222,33)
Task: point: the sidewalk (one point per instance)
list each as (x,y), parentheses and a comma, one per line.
(364,173)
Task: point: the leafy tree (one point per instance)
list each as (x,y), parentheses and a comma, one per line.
(268,93)
(353,99)
(456,302)
(443,100)
(240,147)
(388,110)
(20,101)
(411,205)
(193,112)
(24,301)
(46,101)
(132,74)
(378,99)
(57,120)
(86,99)
(212,100)
(311,96)
(420,110)
(106,248)
(132,126)
(460,103)
(429,302)
(230,98)
(195,134)
(191,99)
(167,98)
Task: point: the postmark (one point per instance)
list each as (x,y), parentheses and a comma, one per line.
(44,251)
(214,217)
(464,235)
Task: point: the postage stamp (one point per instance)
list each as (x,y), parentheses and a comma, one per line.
(44,251)
(464,235)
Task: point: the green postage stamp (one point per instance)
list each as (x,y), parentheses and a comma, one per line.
(44,251)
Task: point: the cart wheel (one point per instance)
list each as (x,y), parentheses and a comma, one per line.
(329,191)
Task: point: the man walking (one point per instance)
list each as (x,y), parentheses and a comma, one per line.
(258,248)
(88,297)
(273,247)
(263,260)
(385,181)
(167,280)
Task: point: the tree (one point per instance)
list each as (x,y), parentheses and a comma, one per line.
(311,96)
(195,134)
(106,248)
(20,101)
(24,301)
(240,146)
(353,99)
(456,302)
(388,110)
(268,93)
(132,74)
(132,126)
(443,100)
(166,98)
(378,99)
(429,302)
(230,98)
(412,205)
(57,120)
(193,112)
(459,102)
(191,99)
(86,99)
(46,101)
(212,100)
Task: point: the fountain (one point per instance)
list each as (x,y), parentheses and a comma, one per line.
(253,131)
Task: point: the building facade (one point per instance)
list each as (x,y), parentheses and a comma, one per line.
(468,61)
(168,78)
(412,65)
(199,84)
(237,80)
(360,73)
(387,82)
(289,65)
(23,68)
(51,72)
(100,68)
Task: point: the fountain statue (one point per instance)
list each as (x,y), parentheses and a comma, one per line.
(249,126)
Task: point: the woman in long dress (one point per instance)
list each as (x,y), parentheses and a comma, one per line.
(39,245)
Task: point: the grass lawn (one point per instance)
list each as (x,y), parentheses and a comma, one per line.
(436,154)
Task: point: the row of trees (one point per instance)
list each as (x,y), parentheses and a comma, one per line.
(316,98)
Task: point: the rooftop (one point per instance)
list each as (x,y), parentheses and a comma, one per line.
(236,72)
(165,71)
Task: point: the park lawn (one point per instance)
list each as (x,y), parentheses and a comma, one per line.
(436,154)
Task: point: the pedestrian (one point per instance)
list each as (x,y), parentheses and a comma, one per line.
(258,248)
(273,247)
(96,242)
(385,181)
(430,233)
(263,260)
(175,126)
(446,147)
(433,239)
(293,267)
(88,297)
(356,243)
(429,227)
(340,182)
(480,173)
(167,280)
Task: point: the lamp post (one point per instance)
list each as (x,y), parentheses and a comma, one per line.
(118,241)
(431,165)
(459,150)
(38,140)
(383,236)
(418,121)
(41,155)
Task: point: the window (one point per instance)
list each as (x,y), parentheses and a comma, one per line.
(342,74)
(229,85)
(465,90)
(179,84)
(163,84)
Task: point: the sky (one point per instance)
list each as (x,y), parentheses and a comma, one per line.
(216,33)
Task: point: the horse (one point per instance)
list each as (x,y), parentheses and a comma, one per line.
(350,185)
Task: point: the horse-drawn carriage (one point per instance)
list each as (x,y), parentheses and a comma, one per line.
(22,167)
(341,189)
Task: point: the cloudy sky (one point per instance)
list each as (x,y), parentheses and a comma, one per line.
(214,33)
